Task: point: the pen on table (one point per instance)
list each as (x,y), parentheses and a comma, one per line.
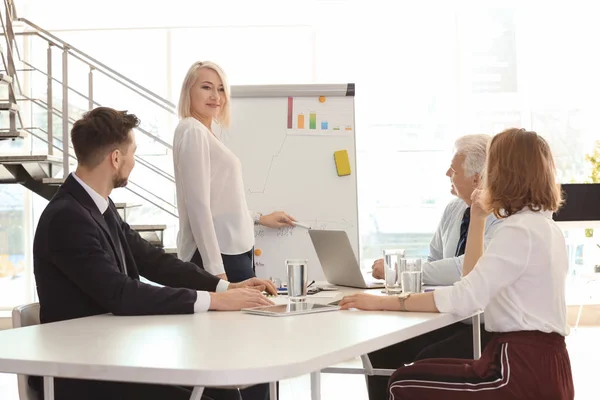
(310,284)
(301,225)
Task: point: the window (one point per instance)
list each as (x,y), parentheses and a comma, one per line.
(14,255)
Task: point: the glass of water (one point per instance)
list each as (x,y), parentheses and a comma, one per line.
(297,275)
(391,270)
(411,275)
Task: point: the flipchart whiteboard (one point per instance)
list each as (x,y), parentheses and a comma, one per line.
(285,137)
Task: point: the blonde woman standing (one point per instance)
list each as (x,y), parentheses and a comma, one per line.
(215,226)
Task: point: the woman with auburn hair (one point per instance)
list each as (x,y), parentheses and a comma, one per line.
(519,282)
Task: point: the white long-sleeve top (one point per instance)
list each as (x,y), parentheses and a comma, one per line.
(213,213)
(519,280)
(443,268)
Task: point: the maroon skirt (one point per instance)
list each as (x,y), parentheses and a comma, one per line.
(514,365)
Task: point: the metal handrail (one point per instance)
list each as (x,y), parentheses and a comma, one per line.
(93,64)
(138,158)
(10,64)
(142,130)
(90,62)
(49,37)
(71,156)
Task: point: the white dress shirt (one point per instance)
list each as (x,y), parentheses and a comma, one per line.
(202,303)
(100,201)
(443,268)
(213,213)
(519,280)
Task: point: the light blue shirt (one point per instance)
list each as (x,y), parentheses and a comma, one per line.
(443,268)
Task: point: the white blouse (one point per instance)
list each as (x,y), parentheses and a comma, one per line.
(213,213)
(519,281)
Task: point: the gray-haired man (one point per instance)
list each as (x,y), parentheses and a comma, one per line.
(443,267)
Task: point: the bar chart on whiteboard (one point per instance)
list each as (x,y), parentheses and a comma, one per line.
(294,170)
(327,116)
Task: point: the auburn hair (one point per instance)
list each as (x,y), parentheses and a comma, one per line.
(520,172)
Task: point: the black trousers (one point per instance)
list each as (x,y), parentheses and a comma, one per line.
(452,341)
(238,267)
(77,389)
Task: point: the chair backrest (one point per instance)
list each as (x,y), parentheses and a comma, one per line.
(22,316)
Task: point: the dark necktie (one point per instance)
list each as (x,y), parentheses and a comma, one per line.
(113,227)
(464,230)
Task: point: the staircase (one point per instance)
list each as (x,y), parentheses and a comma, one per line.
(51,157)
(33,172)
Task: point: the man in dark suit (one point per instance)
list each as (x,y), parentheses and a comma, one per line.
(88,261)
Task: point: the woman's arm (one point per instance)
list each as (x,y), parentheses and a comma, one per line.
(420,302)
(475,242)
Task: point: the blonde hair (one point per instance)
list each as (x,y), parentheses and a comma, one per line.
(520,172)
(184,108)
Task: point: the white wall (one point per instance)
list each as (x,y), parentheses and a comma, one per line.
(109,14)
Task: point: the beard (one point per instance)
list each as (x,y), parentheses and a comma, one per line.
(120,180)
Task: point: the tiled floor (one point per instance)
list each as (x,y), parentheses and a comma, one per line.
(583,344)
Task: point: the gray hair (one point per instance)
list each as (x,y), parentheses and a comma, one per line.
(474,148)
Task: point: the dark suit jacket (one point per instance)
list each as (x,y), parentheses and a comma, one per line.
(78,272)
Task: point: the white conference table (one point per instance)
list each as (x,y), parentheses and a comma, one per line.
(214,349)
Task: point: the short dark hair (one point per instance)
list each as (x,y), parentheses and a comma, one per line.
(99,132)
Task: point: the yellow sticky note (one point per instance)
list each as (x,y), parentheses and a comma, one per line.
(342,162)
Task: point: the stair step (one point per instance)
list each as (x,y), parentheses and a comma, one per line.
(151,237)
(6,79)
(121,206)
(53,181)
(148,228)
(27,159)
(7,178)
(8,106)
(6,134)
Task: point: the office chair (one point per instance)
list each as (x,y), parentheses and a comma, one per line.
(23,316)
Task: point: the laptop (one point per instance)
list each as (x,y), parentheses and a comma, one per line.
(338,261)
